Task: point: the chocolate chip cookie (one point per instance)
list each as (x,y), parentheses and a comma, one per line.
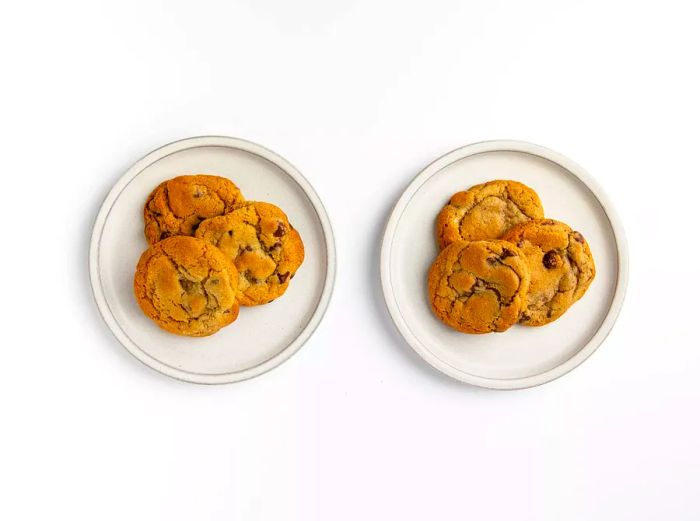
(479,286)
(187,286)
(263,245)
(561,267)
(178,205)
(486,211)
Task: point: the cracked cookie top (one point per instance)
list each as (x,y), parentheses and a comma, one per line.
(561,267)
(178,205)
(187,286)
(263,245)
(479,286)
(486,211)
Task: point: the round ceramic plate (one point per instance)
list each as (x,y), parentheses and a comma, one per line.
(521,356)
(263,336)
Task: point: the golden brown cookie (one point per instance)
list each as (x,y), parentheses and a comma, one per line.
(479,286)
(486,211)
(178,205)
(561,267)
(265,248)
(187,286)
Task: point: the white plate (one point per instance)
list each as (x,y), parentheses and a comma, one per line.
(263,336)
(522,356)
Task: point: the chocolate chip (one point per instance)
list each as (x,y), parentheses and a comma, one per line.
(254,280)
(550,259)
(248,248)
(524,317)
(280,231)
(276,246)
(521,244)
(214,281)
(507,253)
(492,261)
(579,238)
(187,285)
(230,233)
(282,277)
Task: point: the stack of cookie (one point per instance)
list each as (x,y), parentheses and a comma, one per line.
(211,251)
(501,262)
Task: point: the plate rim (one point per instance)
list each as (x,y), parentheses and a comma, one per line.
(94,264)
(505,145)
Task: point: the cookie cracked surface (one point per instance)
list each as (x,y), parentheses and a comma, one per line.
(561,267)
(263,245)
(178,205)
(486,211)
(478,286)
(187,286)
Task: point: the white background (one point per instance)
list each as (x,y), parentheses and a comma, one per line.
(359,95)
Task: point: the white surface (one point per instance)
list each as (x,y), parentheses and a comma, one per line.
(360,96)
(259,340)
(523,356)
